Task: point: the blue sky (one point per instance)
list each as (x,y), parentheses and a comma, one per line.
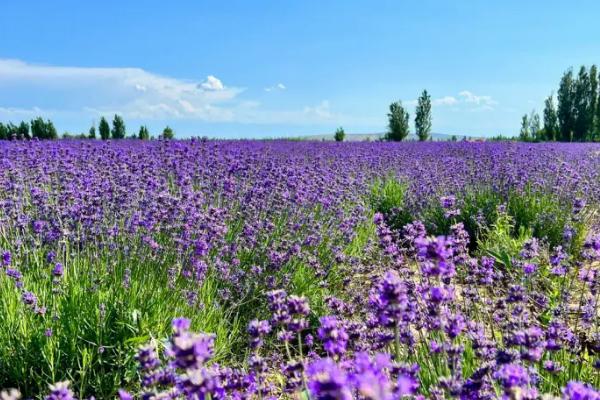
(282,68)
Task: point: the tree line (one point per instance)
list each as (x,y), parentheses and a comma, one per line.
(398,125)
(574,117)
(41,129)
(398,117)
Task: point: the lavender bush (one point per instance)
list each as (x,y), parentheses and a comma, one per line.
(320,270)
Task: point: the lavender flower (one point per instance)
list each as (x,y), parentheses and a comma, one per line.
(333,335)
(326,381)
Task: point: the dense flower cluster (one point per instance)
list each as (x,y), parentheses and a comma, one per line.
(302,285)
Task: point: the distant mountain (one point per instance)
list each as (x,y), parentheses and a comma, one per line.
(361,137)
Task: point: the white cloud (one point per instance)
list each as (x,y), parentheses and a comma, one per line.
(132,92)
(466,101)
(22,112)
(279,86)
(322,110)
(445,101)
(470,97)
(442,101)
(212,83)
(29,90)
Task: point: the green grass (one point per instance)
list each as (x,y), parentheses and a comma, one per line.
(97,323)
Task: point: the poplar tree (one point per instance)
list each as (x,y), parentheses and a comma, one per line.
(581,106)
(397,122)
(92,132)
(423,117)
(551,129)
(535,129)
(524,133)
(118,127)
(566,106)
(104,129)
(23,131)
(167,133)
(143,134)
(594,118)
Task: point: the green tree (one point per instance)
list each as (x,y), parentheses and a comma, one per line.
(423,117)
(3,132)
(104,129)
(23,130)
(167,133)
(339,134)
(144,134)
(524,133)
(38,128)
(397,122)
(51,130)
(118,128)
(551,129)
(566,106)
(593,134)
(582,106)
(12,131)
(597,111)
(92,132)
(535,129)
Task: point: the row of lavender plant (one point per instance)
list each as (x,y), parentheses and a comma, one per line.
(105,243)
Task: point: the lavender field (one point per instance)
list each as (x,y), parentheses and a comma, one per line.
(300,270)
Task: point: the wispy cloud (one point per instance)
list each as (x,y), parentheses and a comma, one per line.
(133,92)
(279,86)
(137,93)
(466,99)
(444,101)
(470,97)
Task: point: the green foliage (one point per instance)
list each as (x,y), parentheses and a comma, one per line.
(597,102)
(397,122)
(12,131)
(387,197)
(41,129)
(534,127)
(551,128)
(525,126)
(478,210)
(339,134)
(502,241)
(167,133)
(530,213)
(92,132)
(578,106)
(3,132)
(582,106)
(23,131)
(104,129)
(144,134)
(593,102)
(98,329)
(566,106)
(545,216)
(423,117)
(501,138)
(118,128)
